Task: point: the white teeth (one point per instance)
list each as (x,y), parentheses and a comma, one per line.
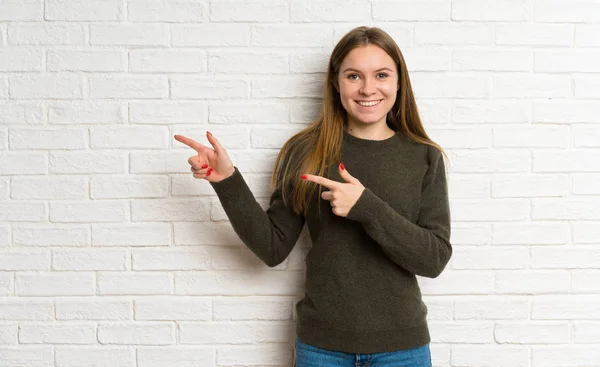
(368,104)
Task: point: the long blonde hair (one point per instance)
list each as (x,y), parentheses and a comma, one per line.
(319,146)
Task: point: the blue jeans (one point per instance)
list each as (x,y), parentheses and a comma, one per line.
(311,356)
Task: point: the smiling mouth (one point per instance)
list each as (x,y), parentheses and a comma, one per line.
(369,103)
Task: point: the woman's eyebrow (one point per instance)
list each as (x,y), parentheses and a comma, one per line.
(351,69)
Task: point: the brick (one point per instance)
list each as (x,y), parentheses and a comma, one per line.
(432,85)
(171,61)
(249,113)
(19,10)
(240,11)
(489,161)
(578,11)
(263,355)
(491,307)
(25,260)
(171,259)
(73,10)
(532,86)
(559,257)
(453,34)
(490,210)
(104,308)
(457,282)
(483,257)
(97,356)
(20,60)
(210,35)
(476,332)
(489,355)
(465,138)
(208,88)
(93,162)
(471,234)
(468,186)
(55,284)
(587,35)
(237,284)
(154,137)
(491,111)
(585,281)
(563,112)
(307,86)
(173,308)
(46,34)
(158,210)
(585,232)
(427,59)
(535,34)
(534,233)
(21,113)
(586,332)
(318,35)
(586,184)
(100,61)
(431,10)
(531,282)
(187,11)
(230,137)
(134,186)
(50,188)
(565,209)
(254,308)
(159,112)
(508,185)
(129,34)
(584,86)
(179,356)
(55,86)
(27,356)
(20,211)
(434,112)
(331,11)
(51,235)
(574,307)
(492,10)
(578,160)
(567,60)
(160,162)
(205,233)
(51,139)
(138,283)
(492,60)
(248,63)
(23,308)
(137,334)
(235,333)
(565,355)
(57,334)
(129,87)
(94,211)
(531,137)
(308,62)
(6,289)
(272,137)
(9,334)
(86,259)
(86,112)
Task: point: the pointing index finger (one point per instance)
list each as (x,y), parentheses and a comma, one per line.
(330,184)
(189,142)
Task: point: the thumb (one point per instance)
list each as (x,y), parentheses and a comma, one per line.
(346,175)
(214,142)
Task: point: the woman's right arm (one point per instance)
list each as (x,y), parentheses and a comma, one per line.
(271,235)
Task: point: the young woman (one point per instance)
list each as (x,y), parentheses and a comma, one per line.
(371,187)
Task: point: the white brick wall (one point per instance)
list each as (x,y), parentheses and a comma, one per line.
(112,255)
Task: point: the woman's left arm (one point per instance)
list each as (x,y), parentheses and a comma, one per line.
(423,248)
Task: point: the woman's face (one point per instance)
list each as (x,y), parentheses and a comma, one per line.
(368,82)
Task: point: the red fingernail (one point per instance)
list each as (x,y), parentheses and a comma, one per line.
(204,166)
(342,166)
(210,170)
(304,177)
(208,173)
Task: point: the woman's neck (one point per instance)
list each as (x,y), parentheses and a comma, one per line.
(370,131)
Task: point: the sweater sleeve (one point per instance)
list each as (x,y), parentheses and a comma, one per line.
(423,248)
(271,235)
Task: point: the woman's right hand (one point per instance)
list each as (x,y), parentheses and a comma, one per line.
(213,164)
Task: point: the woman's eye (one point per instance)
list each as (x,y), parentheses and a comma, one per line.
(351,76)
(383,75)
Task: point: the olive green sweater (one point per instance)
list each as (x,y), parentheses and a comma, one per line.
(362,294)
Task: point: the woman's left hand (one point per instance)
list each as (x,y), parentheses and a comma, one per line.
(341,195)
